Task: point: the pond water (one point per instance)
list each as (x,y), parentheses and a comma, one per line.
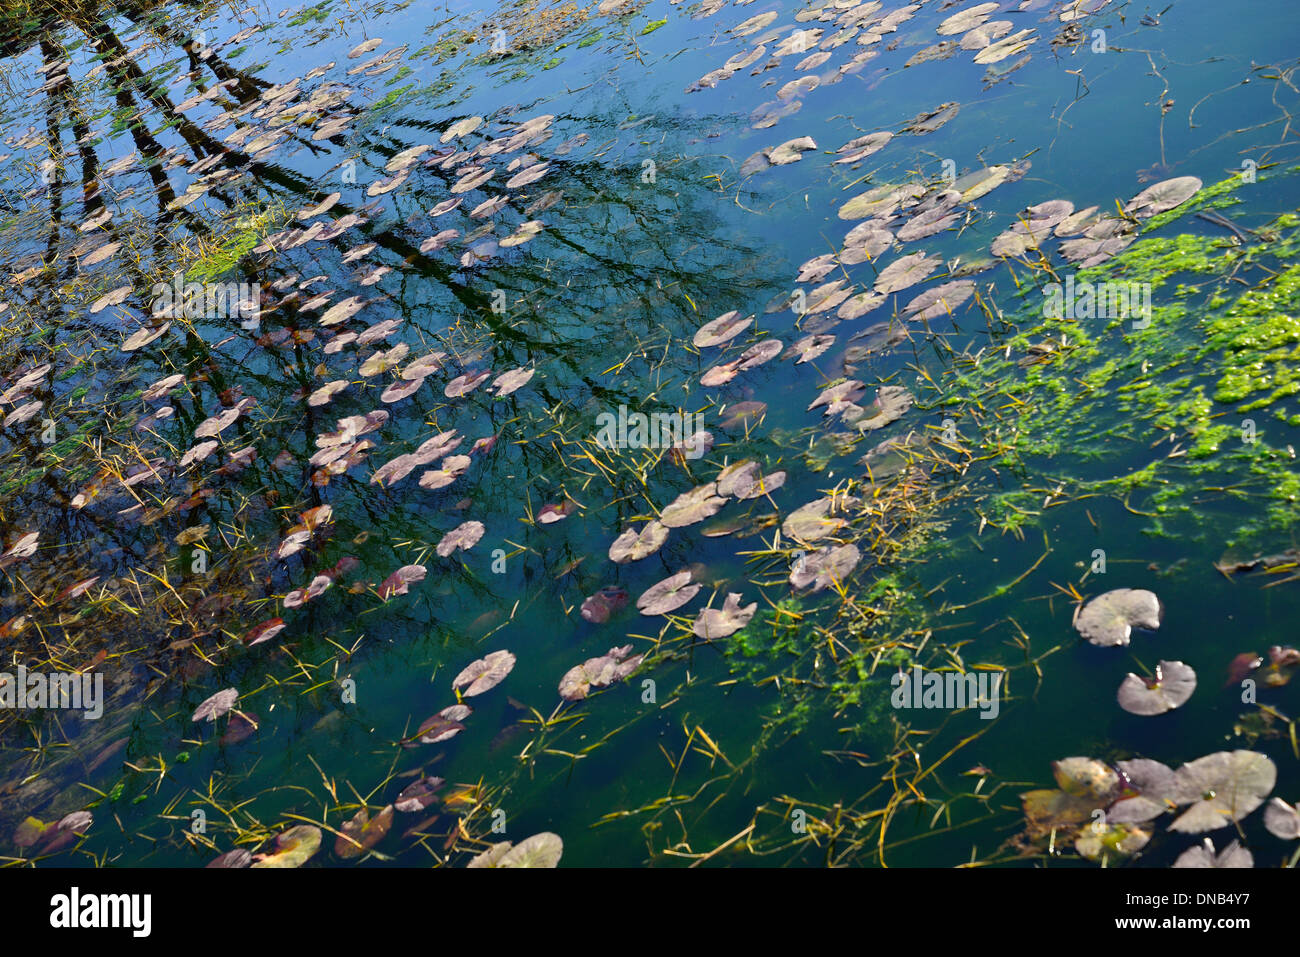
(477,243)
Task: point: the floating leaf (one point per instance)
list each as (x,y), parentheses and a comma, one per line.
(790,151)
(1050,809)
(293,848)
(1282,820)
(906,272)
(453,466)
(418,795)
(825,567)
(981,182)
(606,602)
(932,120)
(927,224)
(890,404)
(863,146)
(361,49)
(465,384)
(1222,788)
(814,520)
(967,19)
(464,536)
(1007,47)
(461,128)
(440,727)
(1109,618)
(512,380)
(837,398)
(668,595)
(599,672)
(1111,841)
(550,514)
(1163,196)
(264,631)
(880,201)
(719,623)
(484,674)
(693,506)
(722,329)
(1147,792)
(362,832)
(540,851)
(1170,687)
(939,301)
(1087,778)
(239,857)
(399,581)
(1202,855)
(810,347)
(633,546)
(216,706)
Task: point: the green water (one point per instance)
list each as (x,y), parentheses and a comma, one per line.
(774,746)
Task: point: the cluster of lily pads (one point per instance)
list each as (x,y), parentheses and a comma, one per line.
(1108,810)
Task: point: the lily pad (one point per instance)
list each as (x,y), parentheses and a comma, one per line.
(293,848)
(485,673)
(599,672)
(606,602)
(861,147)
(362,832)
(722,329)
(1147,792)
(790,151)
(668,595)
(891,403)
(824,567)
(1163,196)
(633,546)
(1006,47)
(1282,819)
(239,857)
(1087,778)
(399,581)
(1170,687)
(464,536)
(967,19)
(1222,788)
(906,272)
(927,224)
(1111,841)
(509,382)
(940,301)
(879,201)
(809,348)
(1109,618)
(541,851)
(694,506)
(1202,855)
(816,520)
(719,623)
(838,397)
(418,795)
(216,706)
(932,120)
